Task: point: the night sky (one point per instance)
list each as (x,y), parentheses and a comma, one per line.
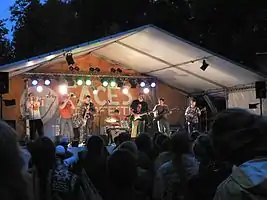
(4,13)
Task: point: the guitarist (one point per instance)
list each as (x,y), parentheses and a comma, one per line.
(161,111)
(139,107)
(87,111)
(192,115)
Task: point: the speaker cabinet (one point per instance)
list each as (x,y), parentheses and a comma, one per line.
(4,82)
(260,87)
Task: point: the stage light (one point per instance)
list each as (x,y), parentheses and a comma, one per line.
(97,69)
(69,59)
(34,82)
(88,82)
(204,65)
(47,82)
(146,90)
(95,92)
(105,83)
(113,84)
(91,69)
(39,88)
(153,85)
(79,82)
(119,70)
(142,84)
(77,68)
(125,90)
(63,89)
(113,70)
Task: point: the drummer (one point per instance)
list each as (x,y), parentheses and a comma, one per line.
(117,117)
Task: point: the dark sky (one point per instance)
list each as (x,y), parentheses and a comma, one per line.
(4,13)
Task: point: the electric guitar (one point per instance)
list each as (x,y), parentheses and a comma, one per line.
(164,112)
(190,117)
(139,116)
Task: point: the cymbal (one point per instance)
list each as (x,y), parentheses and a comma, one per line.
(110,120)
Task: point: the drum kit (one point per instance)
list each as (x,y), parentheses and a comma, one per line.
(114,127)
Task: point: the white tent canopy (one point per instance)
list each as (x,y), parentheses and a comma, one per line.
(154,52)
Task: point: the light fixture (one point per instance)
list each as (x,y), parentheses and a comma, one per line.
(39,88)
(105,83)
(153,84)
(146,90)
(95,92)
(125,90)
(34,82)
(69,59)
(253,106)
(47,82)
(79,82)
(88,82)
(142,84)
(113,70)
(119,71)
(204,65)
(113,84)
(63,89)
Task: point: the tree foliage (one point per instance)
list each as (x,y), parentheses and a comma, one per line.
(6,51)
(235,29)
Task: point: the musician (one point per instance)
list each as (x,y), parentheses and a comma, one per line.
(77,121)
(33,105)
(161,111)
(117,117)
(66,108)
(192,115)
(87,111)
(139,107)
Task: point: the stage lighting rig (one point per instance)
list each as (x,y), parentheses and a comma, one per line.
(70,61)
(93,70)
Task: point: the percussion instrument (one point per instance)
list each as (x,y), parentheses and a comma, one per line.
(110,120)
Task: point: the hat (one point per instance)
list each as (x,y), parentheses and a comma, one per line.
(60,150)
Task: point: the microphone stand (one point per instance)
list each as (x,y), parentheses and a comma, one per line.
(99,116)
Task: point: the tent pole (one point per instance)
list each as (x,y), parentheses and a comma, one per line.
(1,104)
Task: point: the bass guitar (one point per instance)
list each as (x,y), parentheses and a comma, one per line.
(164,112)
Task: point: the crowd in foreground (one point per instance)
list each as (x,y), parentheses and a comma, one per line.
(227,163)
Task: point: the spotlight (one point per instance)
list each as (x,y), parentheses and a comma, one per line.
(146,90)
(105,83)
(204,65)
(91,69)
(95,92)
(113,70)
(63,89)
(79,82)
(125,90)
(69,59)
(97,69)
(113,84)
(77,68)
(34,82)
(119,70)
(39,88)
(47,82)
(142,84)
(88,82)
(153,84)
(71,68)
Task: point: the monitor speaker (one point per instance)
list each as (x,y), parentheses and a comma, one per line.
(4,82)
(260,87)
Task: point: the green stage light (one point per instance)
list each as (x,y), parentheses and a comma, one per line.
(105,83)
(88,82)
(113,84)
(79,82)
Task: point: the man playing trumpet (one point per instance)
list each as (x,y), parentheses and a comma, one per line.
(66,108)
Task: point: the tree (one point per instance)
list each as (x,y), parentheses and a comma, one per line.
(6,53)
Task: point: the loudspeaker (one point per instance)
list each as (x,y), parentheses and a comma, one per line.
(4,82)
(260,87)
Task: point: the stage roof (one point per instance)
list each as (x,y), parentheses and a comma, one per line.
(155,52)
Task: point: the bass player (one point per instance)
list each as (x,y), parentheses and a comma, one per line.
(161,111)
(139,109)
